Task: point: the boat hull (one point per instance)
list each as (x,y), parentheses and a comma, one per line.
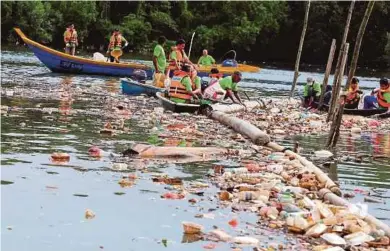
(133,88)
(176,107)
(358,112)
(58,61)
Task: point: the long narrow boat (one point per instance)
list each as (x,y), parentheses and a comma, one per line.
(358,112)
(58,61)
(204,71)
(176,107)
(133,88)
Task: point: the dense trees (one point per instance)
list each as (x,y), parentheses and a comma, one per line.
(258,31)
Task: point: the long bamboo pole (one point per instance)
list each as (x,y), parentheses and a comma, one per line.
(358,43)
(327,71)
(296,73)
(336,115)
(335,94)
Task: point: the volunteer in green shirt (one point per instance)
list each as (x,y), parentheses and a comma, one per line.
(229,84)
(205,59)
(159,62)
(311,91)
(188,82)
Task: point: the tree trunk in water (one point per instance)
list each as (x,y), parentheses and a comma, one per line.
(336,117)
(296,73)
(335,94)
(327,71)
(359,38)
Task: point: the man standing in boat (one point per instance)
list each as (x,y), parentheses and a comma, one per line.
(70,39)
(159,62)
(115,46)
(178,57)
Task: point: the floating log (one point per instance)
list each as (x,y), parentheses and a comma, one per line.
(241,126)
(325,194)
(231,108)
(167,152)
(261,138)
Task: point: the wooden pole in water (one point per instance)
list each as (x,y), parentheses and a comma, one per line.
(358,43)
(327,71)
(335,127)
(296,73)
(335,93)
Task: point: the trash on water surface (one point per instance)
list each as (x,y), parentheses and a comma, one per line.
(89,214)
(333,239)
(57,156)
(192,228)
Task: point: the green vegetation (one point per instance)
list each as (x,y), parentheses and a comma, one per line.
(258,31)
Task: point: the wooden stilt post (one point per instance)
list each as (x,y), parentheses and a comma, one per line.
(335,92)
(358,43)
(296,73)
(327,71)
(335,127)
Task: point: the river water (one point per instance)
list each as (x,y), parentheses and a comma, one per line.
(43,204)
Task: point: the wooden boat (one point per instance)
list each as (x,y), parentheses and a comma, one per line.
(133,88)
(58,61)
(176,107)
(357,112)
(204,71)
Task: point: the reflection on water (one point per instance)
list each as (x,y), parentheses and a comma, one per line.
(44,203)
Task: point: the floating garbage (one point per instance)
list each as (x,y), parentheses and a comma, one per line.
(192,228)
(89,214)
(60,156)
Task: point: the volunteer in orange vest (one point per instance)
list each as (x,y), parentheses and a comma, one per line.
(178,57)
(70,39)
(353,94)
(380,97)
(185,86)
(116,41)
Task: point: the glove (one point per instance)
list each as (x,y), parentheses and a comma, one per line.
(67,44)
(126,44)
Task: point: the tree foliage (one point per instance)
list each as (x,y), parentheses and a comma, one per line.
(257,30)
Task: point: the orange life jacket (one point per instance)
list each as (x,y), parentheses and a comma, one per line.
(115,41)
(70,36)
(381,100)
(179,58)
(216,75)
(177,89)
(352,96)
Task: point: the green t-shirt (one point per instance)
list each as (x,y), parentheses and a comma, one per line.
(308,90)
(160,55)
(386,96)
(206,60)
(227,83)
